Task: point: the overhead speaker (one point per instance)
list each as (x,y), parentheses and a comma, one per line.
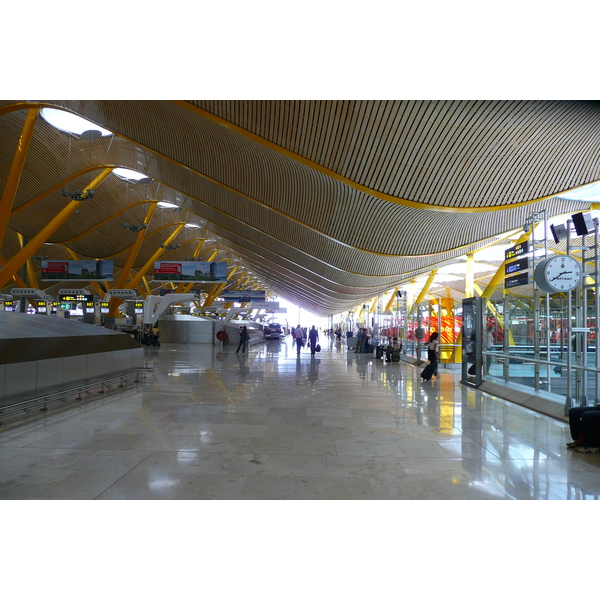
(583,222)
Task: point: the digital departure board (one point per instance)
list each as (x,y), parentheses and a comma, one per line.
(517,265)
(515,280)
(516,250)
(76,298)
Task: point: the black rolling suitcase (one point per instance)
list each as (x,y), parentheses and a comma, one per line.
(379,351)
(428,372)
(395,355)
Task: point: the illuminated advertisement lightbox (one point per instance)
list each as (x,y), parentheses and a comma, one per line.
(77,270)
(190,271)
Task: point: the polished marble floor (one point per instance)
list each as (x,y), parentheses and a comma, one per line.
(212,424)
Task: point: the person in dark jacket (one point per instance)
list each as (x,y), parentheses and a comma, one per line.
(313,338)
(244,337)
(584,422)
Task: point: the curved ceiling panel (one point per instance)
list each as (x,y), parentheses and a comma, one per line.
(327,202)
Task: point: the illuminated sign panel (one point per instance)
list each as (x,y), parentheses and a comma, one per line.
(9,306)
(516,250)
(104,308)
(76,298)
(190,271)
(517,265)
(243,296)
(41,306)
(138,307)
(77,270)
(516,280)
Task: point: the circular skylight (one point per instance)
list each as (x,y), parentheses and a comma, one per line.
(66,121)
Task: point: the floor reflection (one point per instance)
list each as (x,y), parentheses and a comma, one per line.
(210,423)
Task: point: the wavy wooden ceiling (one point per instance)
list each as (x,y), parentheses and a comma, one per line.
(326,202)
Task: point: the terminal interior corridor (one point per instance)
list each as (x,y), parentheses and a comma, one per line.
(212,424)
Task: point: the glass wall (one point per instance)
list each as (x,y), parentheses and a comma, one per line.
(527,346)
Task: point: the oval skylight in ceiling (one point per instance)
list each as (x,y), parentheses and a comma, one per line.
(129,174)
(66,121)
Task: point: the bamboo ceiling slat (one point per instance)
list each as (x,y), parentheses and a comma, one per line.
(307,235)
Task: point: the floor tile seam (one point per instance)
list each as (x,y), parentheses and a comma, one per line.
(122,476)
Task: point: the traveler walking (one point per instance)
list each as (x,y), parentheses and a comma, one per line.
(298,338)
(313,338)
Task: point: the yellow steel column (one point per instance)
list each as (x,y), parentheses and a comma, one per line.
(19,259)
(470,277)
(147,286)
(373,306)
(391,302)
(426,287)
(16,278)
(16,169)
(498,278)
(215,290)
(126,272)
(135,248)
(94,284)
(32,279)
(135,280)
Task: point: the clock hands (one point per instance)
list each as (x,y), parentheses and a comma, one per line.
(561,274)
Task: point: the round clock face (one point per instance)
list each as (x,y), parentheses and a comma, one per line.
(558,274)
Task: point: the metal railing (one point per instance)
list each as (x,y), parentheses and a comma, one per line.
(76,393)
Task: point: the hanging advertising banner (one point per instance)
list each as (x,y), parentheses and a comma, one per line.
(243,296)
(77,270)
(190,271)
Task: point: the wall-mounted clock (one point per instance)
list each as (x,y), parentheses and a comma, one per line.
(558,274)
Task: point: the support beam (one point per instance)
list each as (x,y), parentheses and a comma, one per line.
(470,277)
(214,292)
(101,293)
(150,263)
(21,257)
(426,287)
(16,278)
(498,278)
(16,169)
(125,273)
(146,285)
(389,305)
(31,277)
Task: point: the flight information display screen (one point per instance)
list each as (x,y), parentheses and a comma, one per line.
(517,265)
(516,250)
(521,279)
